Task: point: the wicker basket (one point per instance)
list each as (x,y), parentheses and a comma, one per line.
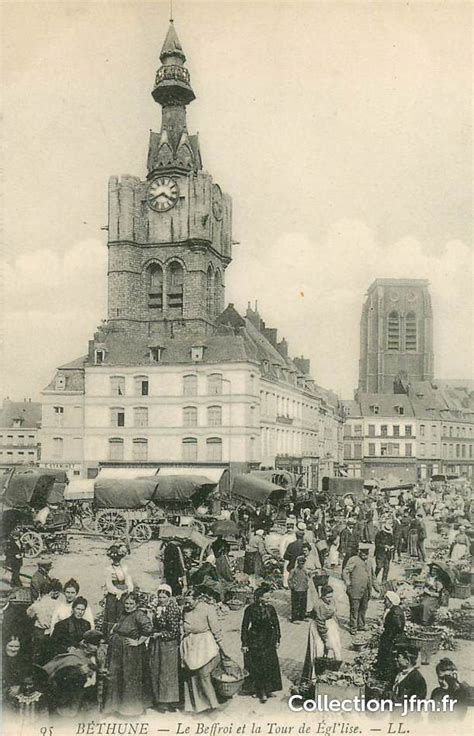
(428,644)
(461,591)
(227,689)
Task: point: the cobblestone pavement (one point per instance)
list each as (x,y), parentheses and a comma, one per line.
(86,561)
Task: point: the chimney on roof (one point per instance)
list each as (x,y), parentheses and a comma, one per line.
(271,333)
(253,317)
(282,348)
(303,364)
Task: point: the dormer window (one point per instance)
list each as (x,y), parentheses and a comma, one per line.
(60,383)
(17,422)
(99,356)
(400,410)
(197,353)
(156,353)
(374,409)
(265,365)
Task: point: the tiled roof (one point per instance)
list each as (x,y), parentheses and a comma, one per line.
(237,339)
(124,349)
(28,411)
(386,404)
(78,363)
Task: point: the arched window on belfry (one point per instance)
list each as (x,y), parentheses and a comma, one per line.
(175,288)
(155,287)
(217,292)
(410,332)
(393,331)
(210,291)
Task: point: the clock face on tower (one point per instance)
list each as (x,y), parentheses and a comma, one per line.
(162,193)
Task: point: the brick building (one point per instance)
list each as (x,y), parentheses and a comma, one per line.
(171,377)
(396,334)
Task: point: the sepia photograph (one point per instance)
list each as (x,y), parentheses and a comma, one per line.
(236,368)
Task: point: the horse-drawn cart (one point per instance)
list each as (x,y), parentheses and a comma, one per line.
(136,507)
(32,502)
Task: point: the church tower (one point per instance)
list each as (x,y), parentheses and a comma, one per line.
(396,334)
(170,235)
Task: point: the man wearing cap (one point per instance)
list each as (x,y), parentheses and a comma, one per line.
(383,550)
(409,682)
(293,551)
(349,541)
(393,628)
(359,580)
(41,581)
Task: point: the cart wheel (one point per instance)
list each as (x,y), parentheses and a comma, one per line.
(199,525)
(141,533)
(87,517)
(31,543)
(111,524)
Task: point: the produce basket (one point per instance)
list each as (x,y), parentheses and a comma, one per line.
(228,679)
(428,643)
(320,578)
(323,664)
(461,591)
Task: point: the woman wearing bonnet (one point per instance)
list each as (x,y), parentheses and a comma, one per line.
(164,651)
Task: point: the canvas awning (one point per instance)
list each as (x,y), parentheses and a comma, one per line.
(181,487)
(79,489)
(28,487)
(257,490)
(214,474)
(126,472)
(121,493)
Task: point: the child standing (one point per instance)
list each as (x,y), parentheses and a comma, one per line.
(298,582)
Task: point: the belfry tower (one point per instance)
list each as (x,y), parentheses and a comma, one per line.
(169,235)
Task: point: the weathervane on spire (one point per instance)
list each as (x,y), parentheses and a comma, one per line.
(171,11)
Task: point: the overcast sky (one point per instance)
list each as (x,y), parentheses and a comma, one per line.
(342,131)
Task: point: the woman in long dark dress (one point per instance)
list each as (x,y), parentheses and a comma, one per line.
(129,686)
(260,636)
(164,651)
(393,628)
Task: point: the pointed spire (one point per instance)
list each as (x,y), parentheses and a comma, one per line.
(172,45)
(172,82)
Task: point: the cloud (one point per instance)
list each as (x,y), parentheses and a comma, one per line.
(312,291)
(52,304)
(334,275)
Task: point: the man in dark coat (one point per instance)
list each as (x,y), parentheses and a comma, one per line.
(70,631)
(14,557)
(393,628)
(294,550)
(349,541)
(174,568)
(41,581)
(383,551)
(408,681)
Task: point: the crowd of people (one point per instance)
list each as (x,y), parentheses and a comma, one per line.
(161,650)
